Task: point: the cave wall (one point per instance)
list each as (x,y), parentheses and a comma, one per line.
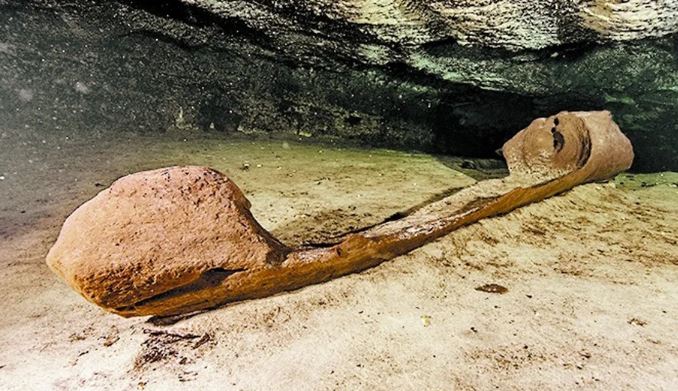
(445,76)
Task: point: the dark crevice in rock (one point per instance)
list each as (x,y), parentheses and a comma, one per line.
(209,279)
(197,18)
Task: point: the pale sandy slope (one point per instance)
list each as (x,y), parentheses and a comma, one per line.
(592,280)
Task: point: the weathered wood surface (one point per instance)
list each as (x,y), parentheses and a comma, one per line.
(181,239)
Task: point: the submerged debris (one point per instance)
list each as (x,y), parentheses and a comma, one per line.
(492,288)
(637,322)
(203,340)
(112,337)
(163,346)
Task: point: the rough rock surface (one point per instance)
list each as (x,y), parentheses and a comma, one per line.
(507,24)
(446,76)
(160,230)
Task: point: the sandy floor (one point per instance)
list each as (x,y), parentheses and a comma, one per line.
(591,279)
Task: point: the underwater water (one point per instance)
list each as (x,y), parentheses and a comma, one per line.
(332,122)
